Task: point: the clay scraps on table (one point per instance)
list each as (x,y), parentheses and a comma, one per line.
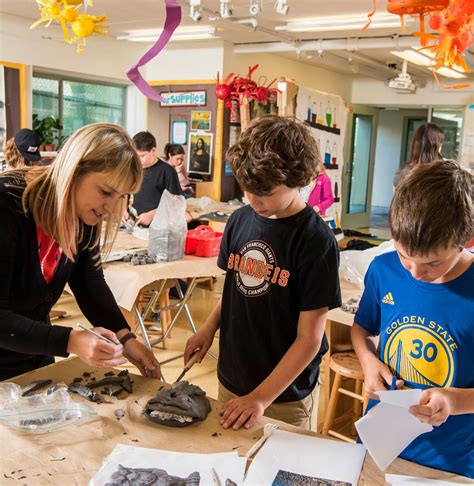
(34,386)
(111,385)
(178,406)
(150,477)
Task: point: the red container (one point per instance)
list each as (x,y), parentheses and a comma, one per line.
(192,237)
(208,246)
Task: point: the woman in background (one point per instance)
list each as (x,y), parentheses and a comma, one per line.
(22,150)
(174,156)
(425,148)
(321,197)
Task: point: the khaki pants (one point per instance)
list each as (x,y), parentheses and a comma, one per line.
(302,413)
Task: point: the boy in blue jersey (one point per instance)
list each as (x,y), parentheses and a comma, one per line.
(281,263)
(419,301)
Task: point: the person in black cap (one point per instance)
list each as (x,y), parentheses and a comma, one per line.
(22,150)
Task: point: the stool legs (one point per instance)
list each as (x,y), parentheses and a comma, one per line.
(332,404)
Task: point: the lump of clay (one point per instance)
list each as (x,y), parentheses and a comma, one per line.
(178,406)
(150,477)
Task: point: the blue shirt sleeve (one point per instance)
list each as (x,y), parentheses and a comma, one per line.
(368,315)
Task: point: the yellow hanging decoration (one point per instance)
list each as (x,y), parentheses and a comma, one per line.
(76,26)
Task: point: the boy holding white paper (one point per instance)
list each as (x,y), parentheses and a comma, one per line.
(419,300)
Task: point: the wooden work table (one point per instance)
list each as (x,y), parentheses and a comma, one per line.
(72,456)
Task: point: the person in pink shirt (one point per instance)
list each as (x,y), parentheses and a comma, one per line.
(321,197)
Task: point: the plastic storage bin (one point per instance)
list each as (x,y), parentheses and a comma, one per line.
(203,241)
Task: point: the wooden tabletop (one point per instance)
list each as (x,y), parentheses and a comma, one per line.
(72,456)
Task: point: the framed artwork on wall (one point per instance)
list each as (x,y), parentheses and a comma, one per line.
(201,121)
(179,132)
(200,153)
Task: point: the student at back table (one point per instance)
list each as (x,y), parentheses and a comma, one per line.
(157,176)
(282,278)
(419,301)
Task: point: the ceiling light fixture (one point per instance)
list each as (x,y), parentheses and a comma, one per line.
(180,34)
(226,9)
(282,7)
(255,7)
(195,10)
(426,60)
(323,24)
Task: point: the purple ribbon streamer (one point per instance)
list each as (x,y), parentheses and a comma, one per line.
(173,19)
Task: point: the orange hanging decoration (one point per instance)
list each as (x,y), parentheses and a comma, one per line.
(416,7)
(455,34)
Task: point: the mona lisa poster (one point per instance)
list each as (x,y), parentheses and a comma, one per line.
(200,153)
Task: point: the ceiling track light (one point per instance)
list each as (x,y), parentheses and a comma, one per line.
(255,7)
(226,9)
(282,7)
(195,10)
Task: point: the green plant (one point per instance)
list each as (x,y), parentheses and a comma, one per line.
(46,128)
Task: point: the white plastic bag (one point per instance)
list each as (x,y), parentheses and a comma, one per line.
(43,412)
(355,263)
(168,228)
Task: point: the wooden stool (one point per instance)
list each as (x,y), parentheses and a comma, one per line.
(344,365)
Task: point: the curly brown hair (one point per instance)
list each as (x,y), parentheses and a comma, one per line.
(274,151)
(432,208)
(12,156)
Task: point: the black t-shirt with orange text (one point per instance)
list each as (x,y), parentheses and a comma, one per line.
(276,268)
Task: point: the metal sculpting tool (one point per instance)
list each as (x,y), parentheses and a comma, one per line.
(96,334)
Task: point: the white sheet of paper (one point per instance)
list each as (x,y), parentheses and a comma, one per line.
(398,480)
(401,398)
(302,454)
(386,431)
(228,465)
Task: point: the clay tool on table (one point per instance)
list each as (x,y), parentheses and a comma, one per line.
(267,431)
(189,364)
(215,478)
(96,334)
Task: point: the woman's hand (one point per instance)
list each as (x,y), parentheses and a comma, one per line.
(317,209)
(144,359)
(94,351)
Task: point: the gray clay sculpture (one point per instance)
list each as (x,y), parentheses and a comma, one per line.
(181,405)
(150,477)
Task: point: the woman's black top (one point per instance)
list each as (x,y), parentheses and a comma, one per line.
(27,337)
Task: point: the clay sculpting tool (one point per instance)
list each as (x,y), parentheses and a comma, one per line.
(96,334)
(189,365)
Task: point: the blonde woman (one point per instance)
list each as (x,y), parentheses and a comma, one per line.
(51,223)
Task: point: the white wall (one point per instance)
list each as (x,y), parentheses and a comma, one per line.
(367,91)
(199,60)
(46,48)
(273,66)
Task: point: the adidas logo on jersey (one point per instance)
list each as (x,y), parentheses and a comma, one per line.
(388,299)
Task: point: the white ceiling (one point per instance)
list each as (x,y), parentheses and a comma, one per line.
(126,16)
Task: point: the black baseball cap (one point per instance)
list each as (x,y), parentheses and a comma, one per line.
(28,142)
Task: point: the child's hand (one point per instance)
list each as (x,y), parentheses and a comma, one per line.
(242,411)
(377,377)
(436,405)
(202,340)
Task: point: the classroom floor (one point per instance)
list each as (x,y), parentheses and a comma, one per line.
(203,375)
(201,304)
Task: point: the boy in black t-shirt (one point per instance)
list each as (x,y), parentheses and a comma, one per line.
(157,176)
(282,278)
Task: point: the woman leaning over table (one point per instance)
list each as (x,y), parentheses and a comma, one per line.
(50,226)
